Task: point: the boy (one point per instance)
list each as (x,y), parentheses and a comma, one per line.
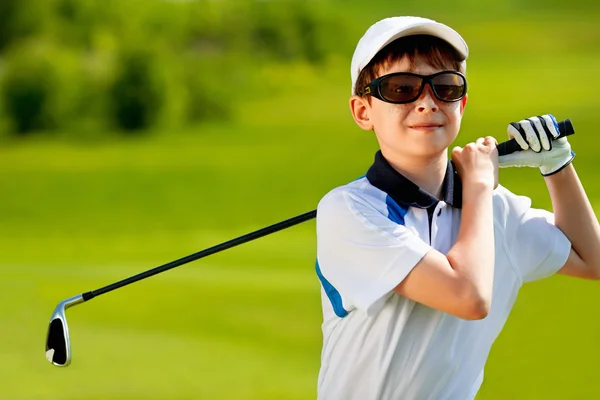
(421,260)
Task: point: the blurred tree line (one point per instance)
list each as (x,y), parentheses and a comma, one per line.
(88,67)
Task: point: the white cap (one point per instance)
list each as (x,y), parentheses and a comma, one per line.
(387,30)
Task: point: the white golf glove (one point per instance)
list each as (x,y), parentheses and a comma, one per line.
(535,136)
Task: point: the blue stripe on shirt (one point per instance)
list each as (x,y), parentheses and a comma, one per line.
(332,293)
(396,213)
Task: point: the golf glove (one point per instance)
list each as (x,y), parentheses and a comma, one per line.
(536,137)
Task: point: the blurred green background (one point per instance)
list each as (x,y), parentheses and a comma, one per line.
(134,132)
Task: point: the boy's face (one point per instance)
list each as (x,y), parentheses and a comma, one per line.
(423,128)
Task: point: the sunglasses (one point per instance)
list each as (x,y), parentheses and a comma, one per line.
(406,87)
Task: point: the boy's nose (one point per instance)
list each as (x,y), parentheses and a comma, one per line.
(426,102)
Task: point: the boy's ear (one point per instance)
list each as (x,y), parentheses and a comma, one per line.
(361,112)
(463,104)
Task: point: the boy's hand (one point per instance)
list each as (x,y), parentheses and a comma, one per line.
(536,137)
(477,162)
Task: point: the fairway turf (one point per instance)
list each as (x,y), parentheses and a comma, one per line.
(245,324)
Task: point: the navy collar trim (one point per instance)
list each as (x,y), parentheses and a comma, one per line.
(404,192)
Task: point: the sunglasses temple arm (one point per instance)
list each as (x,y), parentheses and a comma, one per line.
(564,127)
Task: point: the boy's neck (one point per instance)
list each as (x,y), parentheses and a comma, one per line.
(427,173)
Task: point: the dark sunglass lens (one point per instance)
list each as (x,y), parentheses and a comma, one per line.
(449,87)
(400,88)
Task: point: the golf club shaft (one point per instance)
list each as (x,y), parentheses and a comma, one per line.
(565,128)
(203,253)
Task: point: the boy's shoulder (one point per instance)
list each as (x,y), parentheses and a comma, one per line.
(357,193)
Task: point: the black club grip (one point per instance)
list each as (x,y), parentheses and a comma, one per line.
(564,127)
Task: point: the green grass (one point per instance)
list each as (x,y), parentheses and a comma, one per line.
(245,324)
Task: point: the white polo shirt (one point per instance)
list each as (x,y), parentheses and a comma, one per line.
(378,345)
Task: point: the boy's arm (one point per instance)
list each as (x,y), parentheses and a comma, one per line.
(461,282)
(575,217)
(573,214)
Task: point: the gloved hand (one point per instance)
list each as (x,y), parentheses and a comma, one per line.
(535,136)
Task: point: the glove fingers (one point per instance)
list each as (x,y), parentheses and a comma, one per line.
(551,125)
(539,125)
(514,132)
(538,138)
(531,135)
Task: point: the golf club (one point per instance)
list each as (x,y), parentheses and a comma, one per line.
(58,344)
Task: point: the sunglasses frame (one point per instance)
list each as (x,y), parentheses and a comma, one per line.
(374,88)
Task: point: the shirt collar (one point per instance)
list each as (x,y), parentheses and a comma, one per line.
(404,192)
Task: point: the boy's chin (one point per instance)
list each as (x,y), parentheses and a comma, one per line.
(431,145)
(418,151)
(417,144)
(431,152)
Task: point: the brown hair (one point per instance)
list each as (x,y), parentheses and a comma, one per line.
(436,52)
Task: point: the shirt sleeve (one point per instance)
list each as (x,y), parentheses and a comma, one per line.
(538,248)
(361,252)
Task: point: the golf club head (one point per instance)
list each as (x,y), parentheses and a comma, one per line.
(58,345)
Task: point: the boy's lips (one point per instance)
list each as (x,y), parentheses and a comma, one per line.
(425,126)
